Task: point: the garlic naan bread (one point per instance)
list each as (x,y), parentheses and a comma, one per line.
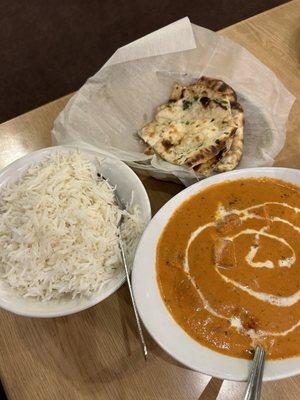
(201,127)
(228,158)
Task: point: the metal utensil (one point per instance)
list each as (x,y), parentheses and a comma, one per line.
(121,247)
(255,378)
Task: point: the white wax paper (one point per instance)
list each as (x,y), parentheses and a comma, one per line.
(121,97)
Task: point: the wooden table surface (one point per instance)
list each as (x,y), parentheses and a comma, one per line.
(96,354)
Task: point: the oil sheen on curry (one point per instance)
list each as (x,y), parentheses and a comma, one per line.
(228,267)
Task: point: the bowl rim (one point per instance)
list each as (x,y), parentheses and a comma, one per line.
(25,162)
(146,291)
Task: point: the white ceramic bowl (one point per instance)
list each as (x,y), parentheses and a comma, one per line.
(159,322)
(128,186)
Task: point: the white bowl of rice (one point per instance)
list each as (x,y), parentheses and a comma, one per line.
(59,229)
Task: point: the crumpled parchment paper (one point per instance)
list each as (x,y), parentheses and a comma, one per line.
(121,97)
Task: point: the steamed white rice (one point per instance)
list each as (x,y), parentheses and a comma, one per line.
(59,230)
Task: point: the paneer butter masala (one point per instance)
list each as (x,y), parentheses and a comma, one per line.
(228,267)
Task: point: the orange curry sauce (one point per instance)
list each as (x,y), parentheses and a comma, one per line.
(236,281)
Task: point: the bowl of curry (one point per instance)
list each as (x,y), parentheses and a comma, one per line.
(217,272)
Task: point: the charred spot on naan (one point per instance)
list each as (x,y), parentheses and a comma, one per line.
(205,101)
(219,87)
(207,168)
(167,144)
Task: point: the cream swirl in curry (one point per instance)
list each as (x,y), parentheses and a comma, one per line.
(228,267)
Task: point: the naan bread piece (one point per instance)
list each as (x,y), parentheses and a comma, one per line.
(231,159)
(176,143)
(205,86)
(228,158)
(207,168)
(190,130)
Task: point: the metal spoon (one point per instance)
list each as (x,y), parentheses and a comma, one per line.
(121,247)
(255,378)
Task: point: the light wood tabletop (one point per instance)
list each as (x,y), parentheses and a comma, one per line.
(96,354)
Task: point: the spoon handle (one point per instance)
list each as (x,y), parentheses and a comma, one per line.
(122,251)
(137,318)
(255,379)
